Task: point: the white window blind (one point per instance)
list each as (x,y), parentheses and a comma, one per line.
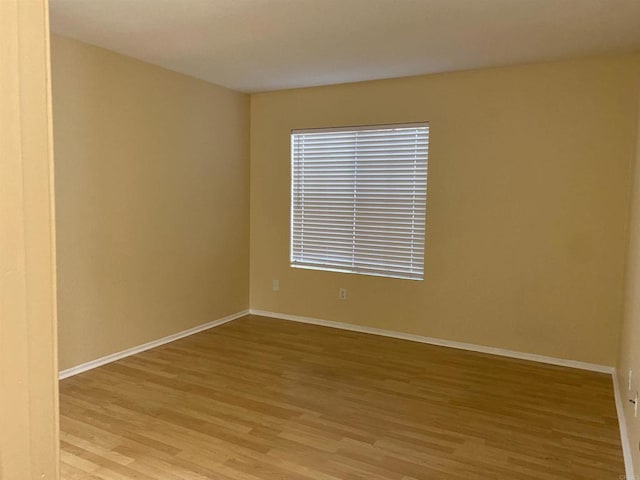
(358,199)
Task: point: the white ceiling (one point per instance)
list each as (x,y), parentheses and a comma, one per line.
(259,45)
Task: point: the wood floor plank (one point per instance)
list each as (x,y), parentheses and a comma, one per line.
(264,399)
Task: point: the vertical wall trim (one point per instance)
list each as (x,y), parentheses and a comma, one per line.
(28,359)
(622,422)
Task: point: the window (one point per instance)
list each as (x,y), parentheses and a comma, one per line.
(358,199)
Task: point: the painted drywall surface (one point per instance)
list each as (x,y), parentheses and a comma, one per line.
(152,177)
(28,383)
(630,337)
(527,205)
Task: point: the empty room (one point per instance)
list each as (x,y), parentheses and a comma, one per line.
(319,239)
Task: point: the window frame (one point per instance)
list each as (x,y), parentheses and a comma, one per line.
(354,128)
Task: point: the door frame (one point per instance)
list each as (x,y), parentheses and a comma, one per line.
(29,431)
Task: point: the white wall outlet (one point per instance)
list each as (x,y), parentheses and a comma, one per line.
(275,285)
(630,379)
(342,294)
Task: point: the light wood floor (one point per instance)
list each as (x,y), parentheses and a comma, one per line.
(268,399)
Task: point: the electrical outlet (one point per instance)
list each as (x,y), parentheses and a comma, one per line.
(342,294)
(275,285)
(630,379)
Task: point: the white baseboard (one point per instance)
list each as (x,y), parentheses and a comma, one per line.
(437,341)
(146,346)
(622,422)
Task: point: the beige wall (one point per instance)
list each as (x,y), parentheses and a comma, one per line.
(527,205)
(630,339)
(152,178)
(28,367)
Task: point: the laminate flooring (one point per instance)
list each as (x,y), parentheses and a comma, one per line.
(262,399)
